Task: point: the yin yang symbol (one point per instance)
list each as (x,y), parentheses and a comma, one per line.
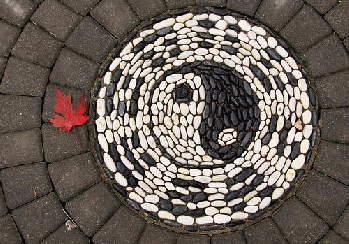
(203,119)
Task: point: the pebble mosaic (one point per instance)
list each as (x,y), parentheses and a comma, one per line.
(203,119)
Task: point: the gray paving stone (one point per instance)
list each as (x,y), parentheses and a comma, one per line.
(19,113)
(173,4)
(346,43)
(39,218)
(248,7)
(276,14)
(93,208)
(123,226)
(229,238)
(190,239)
(332,237)
(324,196)
(73,175)
(8,231)
(56,18)
(333,90)
(20,148)
(322,6)
(305,28)
(342,226)
(36,45)
(265,231)
(24,78)
(216,3)
(17,12)
(73,70)
(327,56)
(331,159)
(3,62)
(47,110)
(298,223)
(154,234)
(116,16)
(81,6)
(3,208)
(66,234)
(91,40)
(335,124)
(20,182)
(338,18)
(60,145)
(8,37)
(148,8)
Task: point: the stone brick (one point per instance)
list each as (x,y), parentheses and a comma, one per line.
(39,218)
(20,148)
(276,14)
(123,226)
(324,196)
(190,239)
(66,234)
(230,238)
(81,6)
(3,62)
(305,28)
(216,3)
(327,56)
(8,37)
(58,145)
(248,7)
(154,234)
(56,18)
(73,175)
(24,183)
(73,70)
(342,226)
(332,238)
(338,18)
(93,208)
(148,8)
(37,45)
(322,6)
(3,208)
(116,16)
(19,113)
(331,159)
(17,12)
(24,78)
(346,43)
(264,231)
(91,40)
(333,90)
(298,223)
(335,124)
(8,231)
(173,4)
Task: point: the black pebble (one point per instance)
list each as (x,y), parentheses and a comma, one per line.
(133,204)
(166,205)
(312,97)
(179,210)
(199,197)
(244,175)
(295,151)
(164,31)
(121,108)
(266,192)
(148,159)
(258,180)
(232,195)
(120,189)
(179,182)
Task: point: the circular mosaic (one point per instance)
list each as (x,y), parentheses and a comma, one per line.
(203,119)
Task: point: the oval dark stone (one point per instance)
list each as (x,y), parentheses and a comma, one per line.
(111,89)
(186,198)
(132,181)
(122,168)
(244,175)
(108,173)
(121,108)
(196,213)
(158,62)
(179,182)
(133,204)
(273,54)
(312,97)
(133,108)
(166,205)
(272,125)
(266,139)
(150,38)
(245,190)
(206,44)
(173,194)
(229,49)
(246,139)
(117,75)
(266,192)
(258,180)
(295,150)
(206,23)
(109,106)
(280,149)
(239,206)
(179,210)
(231,195)
(164,31)
(148,159)
(119,189)
(199,197)
(113,152)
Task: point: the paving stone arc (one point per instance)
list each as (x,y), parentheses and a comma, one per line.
(203,120)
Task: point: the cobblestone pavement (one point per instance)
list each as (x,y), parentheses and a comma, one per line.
(52,191)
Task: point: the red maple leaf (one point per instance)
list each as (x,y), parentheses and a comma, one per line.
(68,116)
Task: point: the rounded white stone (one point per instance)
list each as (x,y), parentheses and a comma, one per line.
(185,220)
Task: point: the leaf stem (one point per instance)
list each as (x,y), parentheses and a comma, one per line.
(76,136)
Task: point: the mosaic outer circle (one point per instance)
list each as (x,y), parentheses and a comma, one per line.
(203,120)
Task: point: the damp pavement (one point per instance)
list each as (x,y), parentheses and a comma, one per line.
(51,188)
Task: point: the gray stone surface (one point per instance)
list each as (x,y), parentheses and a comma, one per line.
(60,145)
(154,234)
(73,175)
(56,18)
(81,6)
(173,4)
(85,36)
(276,14)
(19,113)
(8,231)
(322,6)
(190,239)
(331,159)
(8,37)
(24,78)
(342,226)
(346,43)
(3,208)
(3,62)
(36,45)
(338,18)
(298,223)
(16,12)
(93,208)
(73,70)
(248,7)
(335,124)
(116,16)
(327,56)
(25,183)
(20,148)
(148,8)
(123,226)
(305,28)
(332,237)
(265,231)
(216,3)
(229,238)
(39,218)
